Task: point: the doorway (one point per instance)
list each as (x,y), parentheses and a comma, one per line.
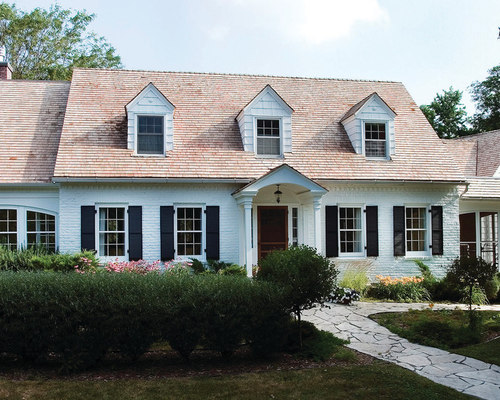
(272,222)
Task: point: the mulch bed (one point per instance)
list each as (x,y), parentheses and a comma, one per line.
(165,364)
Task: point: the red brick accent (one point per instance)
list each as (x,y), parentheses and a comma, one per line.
(5,70)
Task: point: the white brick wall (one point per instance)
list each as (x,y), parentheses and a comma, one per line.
(150,197)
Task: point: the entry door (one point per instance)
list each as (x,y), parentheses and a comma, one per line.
(272,229)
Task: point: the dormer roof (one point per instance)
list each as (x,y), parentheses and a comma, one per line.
(149,91)
(358,107)
(268,89)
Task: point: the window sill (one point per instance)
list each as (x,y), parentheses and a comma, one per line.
(378,158)
(148,155)
(419,256)
(269,156)
(351,256)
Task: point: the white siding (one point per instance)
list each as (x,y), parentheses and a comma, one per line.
(150,197)
(267,105)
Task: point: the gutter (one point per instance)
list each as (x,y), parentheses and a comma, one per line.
(28,184)
(392,181)
(150,180)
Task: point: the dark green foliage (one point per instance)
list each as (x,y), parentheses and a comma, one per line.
(492,288)
(39,259)
(79,317)
(486,95)
(447,114)
(401,292)
(197,266)
(470,272)
(216,265)
(49,43)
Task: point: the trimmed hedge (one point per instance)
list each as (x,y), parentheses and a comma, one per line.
(79,317)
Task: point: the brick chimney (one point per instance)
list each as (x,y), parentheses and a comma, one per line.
(5,68)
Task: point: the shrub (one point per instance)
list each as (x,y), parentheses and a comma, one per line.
(197,266)
(306,277)
(233,269)
(492,288)
(355,278)
(406,289)
(468,273)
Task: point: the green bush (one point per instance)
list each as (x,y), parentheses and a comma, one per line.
(398,291)
(492,288)
(37,258)
(77,318)
(355,278)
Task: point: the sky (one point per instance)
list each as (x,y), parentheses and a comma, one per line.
(429,45)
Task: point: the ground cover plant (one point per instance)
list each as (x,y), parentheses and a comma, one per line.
(449,330)
(405,289)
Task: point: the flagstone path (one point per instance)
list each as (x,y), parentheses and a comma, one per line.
(464,374)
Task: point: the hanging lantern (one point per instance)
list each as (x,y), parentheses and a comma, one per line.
(278,194)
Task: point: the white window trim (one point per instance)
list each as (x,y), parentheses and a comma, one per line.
(362,253)
(98,206)
(136,134)
(427,251)
(42,232)
(387,138)
(22,220)
(280,119)
(203,256)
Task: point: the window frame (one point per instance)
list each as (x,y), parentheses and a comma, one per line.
(202,207)
(39,232)
(136,134)
(363,130)
(427,231)
(268,118)
(17,227)
(98,232)
(358,254)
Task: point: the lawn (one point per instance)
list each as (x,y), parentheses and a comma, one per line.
(448,330)
(378,380)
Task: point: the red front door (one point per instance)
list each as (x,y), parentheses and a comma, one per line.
(272,229)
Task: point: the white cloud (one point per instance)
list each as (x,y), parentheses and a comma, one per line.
(328,20)
(218,32)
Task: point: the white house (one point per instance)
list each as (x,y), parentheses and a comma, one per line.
(162,165)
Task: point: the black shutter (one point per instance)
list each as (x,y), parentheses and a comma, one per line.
(135,233)
(399,231)
(213,235)
(87,221)
(167,232)
(372,231)
(437,230)
(332,231)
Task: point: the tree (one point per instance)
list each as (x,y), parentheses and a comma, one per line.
(447,114)
(306,277)
(486,95)
(48,44)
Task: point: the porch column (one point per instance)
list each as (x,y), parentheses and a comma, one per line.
(247,205)
(317,224)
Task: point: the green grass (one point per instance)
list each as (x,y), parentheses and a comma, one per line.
(377,381)
(447,330)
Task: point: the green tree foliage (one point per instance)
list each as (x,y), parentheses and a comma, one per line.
(486,95)
(447,114)
(49,43)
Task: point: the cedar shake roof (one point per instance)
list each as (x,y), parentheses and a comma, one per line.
(355,108)
(477,155)
(31,120)
(207,140)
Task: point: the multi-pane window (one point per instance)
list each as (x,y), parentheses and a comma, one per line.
(41,229)
(416,228)
(295,226)
(8,228)
(375,140)
(150,135)
(350,229)
(112,231)
(268,137)
(189,231)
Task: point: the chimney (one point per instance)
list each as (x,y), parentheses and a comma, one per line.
(5,68)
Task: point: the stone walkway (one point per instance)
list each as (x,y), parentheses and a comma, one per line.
(464,374)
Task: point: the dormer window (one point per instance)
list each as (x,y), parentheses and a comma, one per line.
(150,123)
(266,125)
(375,140)
(268,137)
(150,135)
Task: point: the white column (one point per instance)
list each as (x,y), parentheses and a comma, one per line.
(317,225)
(247,205)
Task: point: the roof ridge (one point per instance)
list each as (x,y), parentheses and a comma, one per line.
(237,74)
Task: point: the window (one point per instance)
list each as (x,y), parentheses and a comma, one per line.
(149,135)
(295,226)
(416,229)
(189,231)
(8,228)
(112,231)
(351,230)
(41,229)
(375,140)
(268,137)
